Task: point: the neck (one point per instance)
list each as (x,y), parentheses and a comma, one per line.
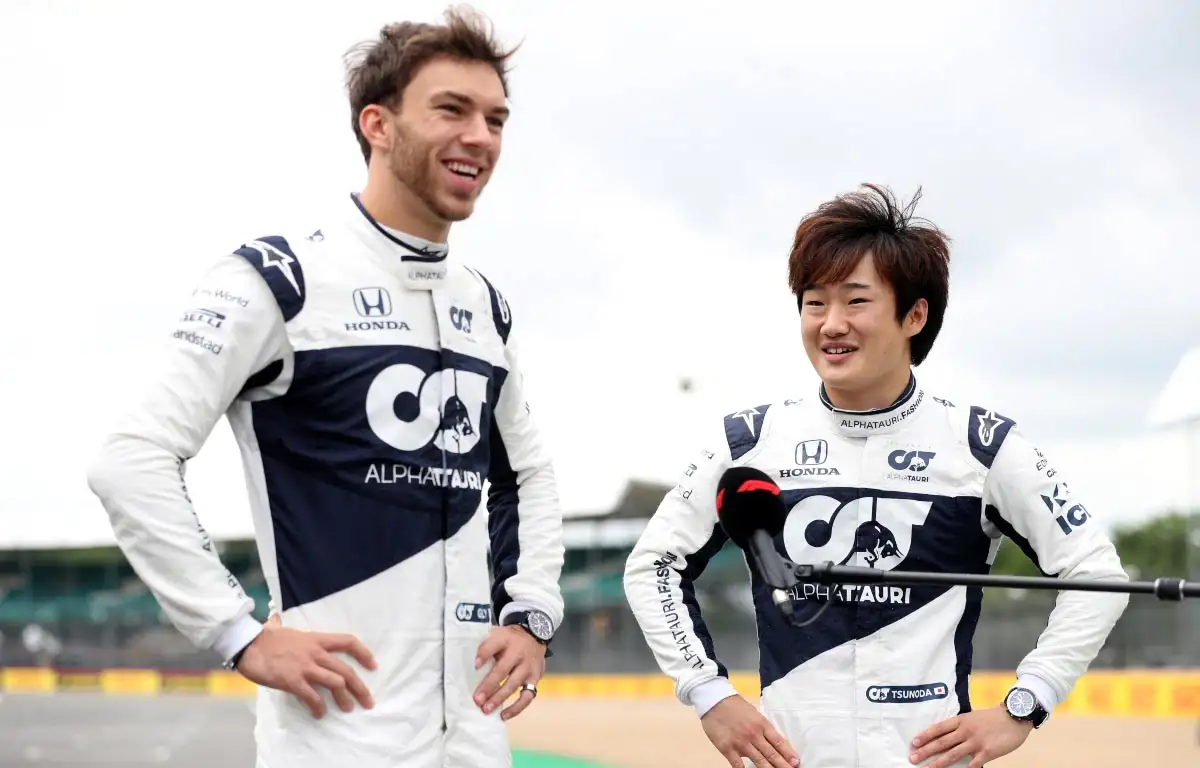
(877,397)
(393,204)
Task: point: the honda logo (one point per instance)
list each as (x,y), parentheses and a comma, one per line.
(812,452)
(373,302)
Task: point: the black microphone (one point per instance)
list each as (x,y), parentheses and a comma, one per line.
(750,509)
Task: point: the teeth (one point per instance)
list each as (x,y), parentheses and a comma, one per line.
(838,350)
(469,170)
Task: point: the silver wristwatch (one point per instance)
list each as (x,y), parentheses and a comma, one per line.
(533,621)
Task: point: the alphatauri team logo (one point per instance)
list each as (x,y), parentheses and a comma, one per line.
(411,409)
(869,532)
(910,465)
(866,532)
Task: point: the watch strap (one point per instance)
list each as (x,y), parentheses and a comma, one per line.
(516,617)
(232,662)
(237,657)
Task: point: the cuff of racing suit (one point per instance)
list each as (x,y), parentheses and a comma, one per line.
(710,693)
(237,637)
(1041,690)
(516,606)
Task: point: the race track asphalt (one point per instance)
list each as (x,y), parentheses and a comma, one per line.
(84,730)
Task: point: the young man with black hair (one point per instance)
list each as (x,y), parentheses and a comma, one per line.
(874,472)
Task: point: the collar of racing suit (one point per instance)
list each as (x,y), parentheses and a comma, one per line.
(879,421)
(424,262)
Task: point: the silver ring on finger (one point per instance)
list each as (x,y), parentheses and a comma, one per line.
(529,687)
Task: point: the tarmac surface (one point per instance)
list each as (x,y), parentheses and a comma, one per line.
(85,729)
(82,730)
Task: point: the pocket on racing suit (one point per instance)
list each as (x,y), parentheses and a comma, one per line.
(896,713)
(875,729)
(824,738)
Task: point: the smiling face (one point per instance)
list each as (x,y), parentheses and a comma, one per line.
(428,104)
(871,282)
(854,341)
(444,143)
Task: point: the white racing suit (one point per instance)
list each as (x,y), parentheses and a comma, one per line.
(924,485)
(373,388)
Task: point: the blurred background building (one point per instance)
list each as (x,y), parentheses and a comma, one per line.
(85,608)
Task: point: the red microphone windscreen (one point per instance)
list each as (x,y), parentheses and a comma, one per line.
(749,500)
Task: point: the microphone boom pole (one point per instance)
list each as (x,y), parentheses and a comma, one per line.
(1167,589)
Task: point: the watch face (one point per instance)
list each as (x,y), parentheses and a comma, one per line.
(540,623)
(1021,703)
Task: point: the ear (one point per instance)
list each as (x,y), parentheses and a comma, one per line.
(914,321)
(375,126)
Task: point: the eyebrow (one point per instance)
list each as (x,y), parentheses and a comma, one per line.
(843,286)
(465,99)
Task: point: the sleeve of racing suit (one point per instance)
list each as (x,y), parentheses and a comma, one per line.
(524,515)
(1027,500)
(230,329)
(660,573)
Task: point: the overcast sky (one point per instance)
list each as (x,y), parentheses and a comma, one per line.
(675,144)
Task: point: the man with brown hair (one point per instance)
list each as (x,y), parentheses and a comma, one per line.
(373,386)
(873,472)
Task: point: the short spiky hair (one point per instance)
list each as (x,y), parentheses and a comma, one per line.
(378,71)
(911,254)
